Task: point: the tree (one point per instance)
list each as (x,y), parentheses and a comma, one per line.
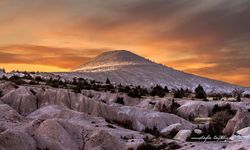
(108,81)
(158,91)
(178,94)
(200,93)
(166,89)
(134,92)
(3,70)
(238,94)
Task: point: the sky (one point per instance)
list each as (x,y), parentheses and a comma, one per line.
(210,38)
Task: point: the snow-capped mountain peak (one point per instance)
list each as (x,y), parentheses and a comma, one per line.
(112,60)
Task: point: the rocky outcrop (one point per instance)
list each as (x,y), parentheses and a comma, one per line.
(244,131)
(152,119)
(27,99)
(172,129)
(16,139)
(201,109)
(58,128)
(183,135)
(195,109)
(239,121)
(21,99)
(6,87)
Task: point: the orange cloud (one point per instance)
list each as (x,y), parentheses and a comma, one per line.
(209,38)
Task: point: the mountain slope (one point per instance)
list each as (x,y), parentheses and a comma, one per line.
(127,68)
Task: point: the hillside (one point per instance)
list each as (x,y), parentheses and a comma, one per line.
(127,68)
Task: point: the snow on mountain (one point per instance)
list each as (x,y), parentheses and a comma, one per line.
(1,73)
(112,61)
(127,68)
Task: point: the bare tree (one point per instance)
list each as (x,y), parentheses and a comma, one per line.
(84,135)
(237,93)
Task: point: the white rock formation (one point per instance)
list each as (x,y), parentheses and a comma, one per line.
(183,135)
(244,131)
(198,131)
(151,119)
(170,129)
(239,121)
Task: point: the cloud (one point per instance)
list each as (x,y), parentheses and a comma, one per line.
(205,37)
(51,56)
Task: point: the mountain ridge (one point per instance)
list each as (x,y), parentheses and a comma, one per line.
(125,67)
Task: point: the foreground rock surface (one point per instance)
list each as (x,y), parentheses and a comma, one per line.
(40,117)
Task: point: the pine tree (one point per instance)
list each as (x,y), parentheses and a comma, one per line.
(200,93)
(178,94)
(108,81)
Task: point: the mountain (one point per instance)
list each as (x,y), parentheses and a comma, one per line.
(127,68)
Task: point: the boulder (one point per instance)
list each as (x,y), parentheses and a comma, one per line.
(151,119)
(172,129)
(239,121)
(244,131)
(16,140)
(164,105)
(239,138)
(76,128)
(50,134)
(7,86)
(134,143)
(9,114)
(138,126)
(183,135)
(198,131)
(195,109)
(21,99)
(103,140)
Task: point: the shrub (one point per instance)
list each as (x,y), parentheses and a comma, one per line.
(226,107)
(147,146)
(187,92)
(120,100)
(1,93)
(166,90)
(128,124)
(27,76)
(153,131)
(238,94)
(220,116)
(137,92)
(17,80)
(216,96)
(110,126)
(178,93)
(32,91)
(247,95)
(4,78)
(158,91)
(56,83)
(174,106)
(39,79)
(219,122)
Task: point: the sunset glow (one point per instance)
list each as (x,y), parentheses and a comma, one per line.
(207,38)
